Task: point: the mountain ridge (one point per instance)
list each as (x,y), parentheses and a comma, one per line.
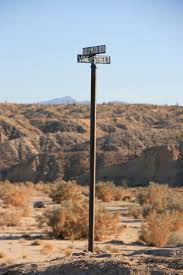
(47,142)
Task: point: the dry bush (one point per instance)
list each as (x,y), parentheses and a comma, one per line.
(176,238)
(107,249)
(67,221)
(43,187)
(65,191)
(159,226)
(36,242)
(26,211)
(29,185)
(70,221)
(11,217)
(163,209)
(159,198)
(47,248)
(2,255)
(135,212)
(68,251)
(112,249)
(109,191)
(106,224)
(14,195)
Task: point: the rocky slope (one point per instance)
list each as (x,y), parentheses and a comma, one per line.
(150,262)
(139,143)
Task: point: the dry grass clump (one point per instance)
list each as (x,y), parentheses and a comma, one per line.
(135,212)
(160,198)
(65,191)
(43,187)
(14,195)
(159,227)
(163,211)
(70,221)
(11,217)
(36,242)
(2,255)
(106,223)
(67,221)
(176,238)
(68,251)
(108,191)
(47,248)
(107,249)
(112,249)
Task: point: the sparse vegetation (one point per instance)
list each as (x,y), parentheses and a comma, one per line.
(160,198)
(65,191)
(70,221)
(2,254)
(176,238)
(108,191)
(14,195)
(11,217)
(36,242)
(68,251)
(162,208)
(135,211)
(47,248)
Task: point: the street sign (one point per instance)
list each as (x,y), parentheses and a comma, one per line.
(98,59)
(90,56)
(94,50)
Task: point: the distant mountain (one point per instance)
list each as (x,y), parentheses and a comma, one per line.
(69,100)
(61,100)
(117,102)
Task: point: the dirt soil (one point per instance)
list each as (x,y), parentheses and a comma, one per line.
(145,263)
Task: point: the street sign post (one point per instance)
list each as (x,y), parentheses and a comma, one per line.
(90,56)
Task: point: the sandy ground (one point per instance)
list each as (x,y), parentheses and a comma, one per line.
(16,245)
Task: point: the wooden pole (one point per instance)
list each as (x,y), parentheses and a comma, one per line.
(91,234)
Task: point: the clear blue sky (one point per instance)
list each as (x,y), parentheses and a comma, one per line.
(39,41)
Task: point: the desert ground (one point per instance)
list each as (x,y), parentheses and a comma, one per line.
(136,144)
(26,248)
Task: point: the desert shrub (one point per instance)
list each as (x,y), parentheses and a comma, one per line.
(2,254)
(112,249)
(176,238)
(106,223)
(11,217)
(159,226)
(29,185)
(68,251)
(159,198)
(67,221)
(47,248)
(14,195)
(43,187)
(36,242)
(65,191)
(135,211)
(162,208)
(109,191)
(70,221)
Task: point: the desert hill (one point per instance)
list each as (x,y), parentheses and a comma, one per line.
(138,143)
